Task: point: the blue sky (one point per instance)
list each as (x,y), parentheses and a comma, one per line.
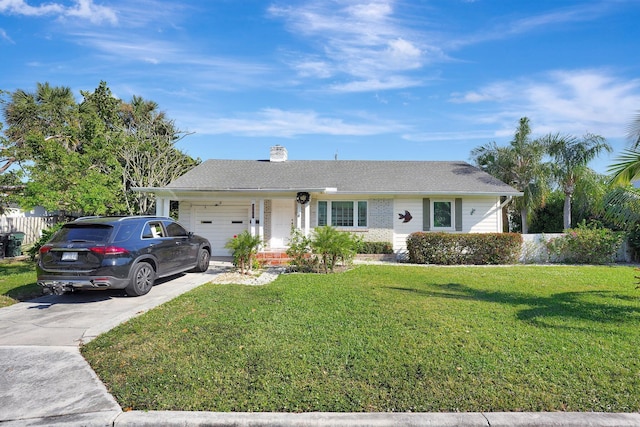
(373,79)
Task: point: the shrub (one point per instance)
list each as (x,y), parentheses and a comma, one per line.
(46,235)
(299,252)
(633,239)
(375,247)
(323,250)
(469,248)
(331,246)
(585,245)
(244,246)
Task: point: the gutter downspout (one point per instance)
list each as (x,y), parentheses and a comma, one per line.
(506,202)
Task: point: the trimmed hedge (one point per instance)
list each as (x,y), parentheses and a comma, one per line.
(468,248)
(375,247)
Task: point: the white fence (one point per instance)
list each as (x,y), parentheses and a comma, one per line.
(31,226)
(534,250)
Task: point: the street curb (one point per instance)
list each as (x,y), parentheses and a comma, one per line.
(377,419)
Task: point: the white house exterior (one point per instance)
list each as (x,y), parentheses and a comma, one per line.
(378,200)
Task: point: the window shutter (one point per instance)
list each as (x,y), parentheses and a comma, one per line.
(458,213)
(426,214)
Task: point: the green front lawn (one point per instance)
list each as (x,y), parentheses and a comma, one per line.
(17,282)
(387,338)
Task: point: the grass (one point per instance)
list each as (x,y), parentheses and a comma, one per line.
(17,282)
(387,338)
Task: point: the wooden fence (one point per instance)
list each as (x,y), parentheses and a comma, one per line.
(31,226)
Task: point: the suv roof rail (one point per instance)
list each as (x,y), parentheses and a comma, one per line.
(142,216)
(82,218)
(120,217)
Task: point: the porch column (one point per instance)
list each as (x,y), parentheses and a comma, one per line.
(298,216)
(252,220)
(261,219)
(307,218)
(162,206)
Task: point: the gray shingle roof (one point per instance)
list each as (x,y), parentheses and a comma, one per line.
(347,176)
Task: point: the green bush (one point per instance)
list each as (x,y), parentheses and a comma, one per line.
(331,246)
(468,248)
(633,239)
(375,247)
(299,252)
(46,235)
(244,246)
(585,245)
(326,247)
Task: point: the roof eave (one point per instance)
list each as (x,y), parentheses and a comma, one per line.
(166,190)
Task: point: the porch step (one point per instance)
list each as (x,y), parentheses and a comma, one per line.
(273,258)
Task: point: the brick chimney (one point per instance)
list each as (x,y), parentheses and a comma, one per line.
(278,154)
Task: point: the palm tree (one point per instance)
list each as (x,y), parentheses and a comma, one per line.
(519,165)
(623,204)
(571,156)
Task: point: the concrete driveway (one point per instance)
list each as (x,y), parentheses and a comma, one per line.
(43,377)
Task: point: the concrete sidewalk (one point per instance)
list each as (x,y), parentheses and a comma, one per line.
(44,380)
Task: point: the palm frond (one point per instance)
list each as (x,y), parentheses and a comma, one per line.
(626,168)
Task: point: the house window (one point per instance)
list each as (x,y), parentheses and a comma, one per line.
(342,213)
(442,214)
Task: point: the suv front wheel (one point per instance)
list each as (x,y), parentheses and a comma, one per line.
(142,279)
(203,261)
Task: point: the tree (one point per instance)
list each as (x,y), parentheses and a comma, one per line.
(519,165)
(85,157)
(623,202)
(570,159)
(149,157)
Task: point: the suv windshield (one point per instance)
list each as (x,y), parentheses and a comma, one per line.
(83,233)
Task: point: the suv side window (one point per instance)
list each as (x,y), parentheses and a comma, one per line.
(176,230)
(125,232)
(152,230)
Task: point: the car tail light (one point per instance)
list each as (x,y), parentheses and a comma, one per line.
(109,250)
(44,249)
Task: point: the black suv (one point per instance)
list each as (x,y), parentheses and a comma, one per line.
(119,253)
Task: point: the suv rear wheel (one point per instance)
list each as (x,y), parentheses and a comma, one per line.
(142,279)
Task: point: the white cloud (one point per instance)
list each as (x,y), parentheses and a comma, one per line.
(20,7)
(558,19)
(275,122)
(565,101)
(393,82)
(5,36)
(362,41)
(84,9)
(95,14)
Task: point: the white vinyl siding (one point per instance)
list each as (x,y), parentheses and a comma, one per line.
(403,229)
(482,215)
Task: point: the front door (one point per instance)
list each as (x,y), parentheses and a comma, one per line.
(282,220)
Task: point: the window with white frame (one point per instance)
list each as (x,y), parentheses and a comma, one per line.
(442,215)
(342,213)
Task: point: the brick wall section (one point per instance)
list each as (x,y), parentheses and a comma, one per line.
(380,221)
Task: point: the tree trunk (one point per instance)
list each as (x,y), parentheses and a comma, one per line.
(506,227)
(523,216)
(567,211)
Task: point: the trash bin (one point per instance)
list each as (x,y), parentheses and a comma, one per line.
(14,244)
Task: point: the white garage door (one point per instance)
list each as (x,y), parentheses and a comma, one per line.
(219,224)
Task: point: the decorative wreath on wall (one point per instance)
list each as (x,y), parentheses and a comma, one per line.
(303,197)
